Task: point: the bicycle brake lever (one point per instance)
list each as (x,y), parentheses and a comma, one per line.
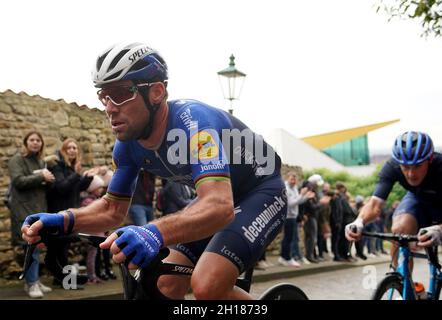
(30,248)
(129,282)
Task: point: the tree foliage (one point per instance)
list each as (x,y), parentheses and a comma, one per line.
(427,12)
(363,186)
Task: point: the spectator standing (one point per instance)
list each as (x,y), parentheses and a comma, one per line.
(290,238)
(29,180)
(324,231)
(336,225)
(348,215)
(311,214)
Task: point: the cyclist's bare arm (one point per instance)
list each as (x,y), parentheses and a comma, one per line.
(100,216)
(368,213)
(212,211)
(371,210)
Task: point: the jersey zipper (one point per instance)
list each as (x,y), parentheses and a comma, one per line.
(165,166)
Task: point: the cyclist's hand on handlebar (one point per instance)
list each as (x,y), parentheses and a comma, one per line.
(353,231)
(430,236)
(34,223)
(138,245)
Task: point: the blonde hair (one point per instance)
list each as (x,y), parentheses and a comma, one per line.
(64,154)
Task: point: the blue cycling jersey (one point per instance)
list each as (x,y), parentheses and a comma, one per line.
(201,143)
(429,191)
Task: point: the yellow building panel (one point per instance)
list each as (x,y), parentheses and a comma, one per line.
(325,140)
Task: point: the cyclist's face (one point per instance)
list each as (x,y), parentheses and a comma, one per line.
(129,119)
(415,174)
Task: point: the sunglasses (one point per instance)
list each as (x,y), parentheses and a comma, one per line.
(119,95)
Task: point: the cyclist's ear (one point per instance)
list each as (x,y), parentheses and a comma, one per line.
(157,92)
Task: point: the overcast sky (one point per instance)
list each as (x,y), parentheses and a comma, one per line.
(312,66)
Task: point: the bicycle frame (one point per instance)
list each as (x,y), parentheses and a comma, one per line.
(408,290)
(403,272)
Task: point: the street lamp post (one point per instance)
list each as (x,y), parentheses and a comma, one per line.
(231,78)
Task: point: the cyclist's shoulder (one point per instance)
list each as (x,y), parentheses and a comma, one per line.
(177,107)
(390,167)
(123,150)
(191,114)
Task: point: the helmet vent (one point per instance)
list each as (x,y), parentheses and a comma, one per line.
(101,59)
(139,65)
(116,59)
(113,76)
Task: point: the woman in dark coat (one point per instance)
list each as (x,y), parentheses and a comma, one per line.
(65,194)
(29,180)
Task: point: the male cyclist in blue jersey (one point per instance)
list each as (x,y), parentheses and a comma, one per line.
(241,204)
(418,169)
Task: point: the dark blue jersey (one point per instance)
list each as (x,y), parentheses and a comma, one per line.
(429,191)
(201,143)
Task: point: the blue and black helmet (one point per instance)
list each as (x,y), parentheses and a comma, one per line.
(412,148)
(129,61)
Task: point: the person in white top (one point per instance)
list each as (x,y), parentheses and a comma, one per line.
(294,199)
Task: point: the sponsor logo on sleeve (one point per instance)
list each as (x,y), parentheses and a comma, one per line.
(203,146)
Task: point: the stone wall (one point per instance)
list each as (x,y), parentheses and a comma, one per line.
(56,120)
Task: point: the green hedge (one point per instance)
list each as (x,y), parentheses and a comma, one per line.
(363,186)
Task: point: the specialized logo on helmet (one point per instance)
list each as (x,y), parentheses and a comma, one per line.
(140,53)
(203,146)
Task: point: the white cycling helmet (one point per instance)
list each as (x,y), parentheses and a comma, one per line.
(129,61)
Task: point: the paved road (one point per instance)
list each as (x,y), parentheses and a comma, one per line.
(350,284)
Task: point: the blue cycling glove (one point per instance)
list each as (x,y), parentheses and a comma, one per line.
(52,222)
(140,244)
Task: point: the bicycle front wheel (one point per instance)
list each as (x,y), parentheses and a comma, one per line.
(284,291)
(390,288)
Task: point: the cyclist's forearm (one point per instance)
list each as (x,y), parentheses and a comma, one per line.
(100,216)
(202,219)
(371,210)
